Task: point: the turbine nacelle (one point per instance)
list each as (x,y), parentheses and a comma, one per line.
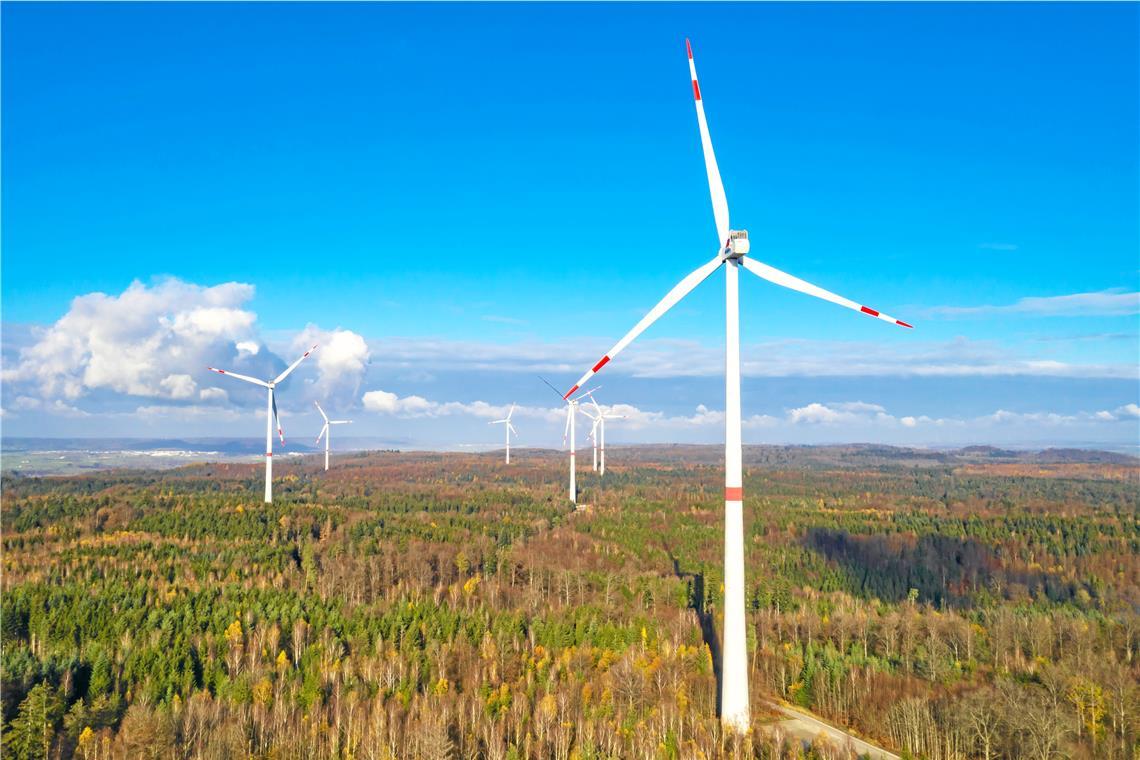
(737,244)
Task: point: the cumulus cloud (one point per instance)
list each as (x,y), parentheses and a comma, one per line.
(385,402)
(1111,302)
(835,413)
(341,359)
(1120,413)
(1128,410)
(146,341)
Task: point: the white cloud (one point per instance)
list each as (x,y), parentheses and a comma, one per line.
(55,406)
(1128,410)
(146,342)
(384,402)
(342,357)
(213,394)
(1111,302)
(179,386)
(838,413)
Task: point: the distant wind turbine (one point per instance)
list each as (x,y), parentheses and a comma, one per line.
(732,247)
(508,428)
(569,432)
(598,431)
(325,431)
(270,415)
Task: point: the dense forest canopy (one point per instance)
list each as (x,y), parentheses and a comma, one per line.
(981,604)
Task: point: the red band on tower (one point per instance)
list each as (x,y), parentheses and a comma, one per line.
(734,494)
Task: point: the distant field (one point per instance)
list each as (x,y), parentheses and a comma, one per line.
(446,605)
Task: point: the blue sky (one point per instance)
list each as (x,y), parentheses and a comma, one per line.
(483,192)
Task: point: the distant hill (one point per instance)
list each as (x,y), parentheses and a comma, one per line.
(868,455)
(51,456)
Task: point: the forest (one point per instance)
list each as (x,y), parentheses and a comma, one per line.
(420,605)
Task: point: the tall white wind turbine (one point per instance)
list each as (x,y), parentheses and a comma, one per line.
(508,428)
(732,248)
(325,431)
(270,415)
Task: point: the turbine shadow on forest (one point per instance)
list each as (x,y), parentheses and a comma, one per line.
(697,605)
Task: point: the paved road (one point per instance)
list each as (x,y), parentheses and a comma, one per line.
(806,727)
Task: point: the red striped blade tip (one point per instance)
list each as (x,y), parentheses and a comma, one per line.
(689,48)
(900,323)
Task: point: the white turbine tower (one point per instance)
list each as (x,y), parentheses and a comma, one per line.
(325,431)
(508,428)
(270,415)
(592,436)
(571,415)
(598,431)
(732,247)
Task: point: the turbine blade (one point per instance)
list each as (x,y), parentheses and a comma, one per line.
(679,291)
(597,408)
(322,411)
(512,427)
(566,430)
(277,419)
(550,386)
(324,430)
(771,274)
(248,379)
(589,393)
(511,412)
(716,187)
(293,366)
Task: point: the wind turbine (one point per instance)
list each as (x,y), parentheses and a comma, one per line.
(270,415)
(508,428)
(732,248)
(569,431)
(598,430)
(592,436)
(325,432)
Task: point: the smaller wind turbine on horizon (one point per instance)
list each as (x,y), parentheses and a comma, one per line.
(270,415)
(508,428)
(569,432)
(325,431)
(598,430)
